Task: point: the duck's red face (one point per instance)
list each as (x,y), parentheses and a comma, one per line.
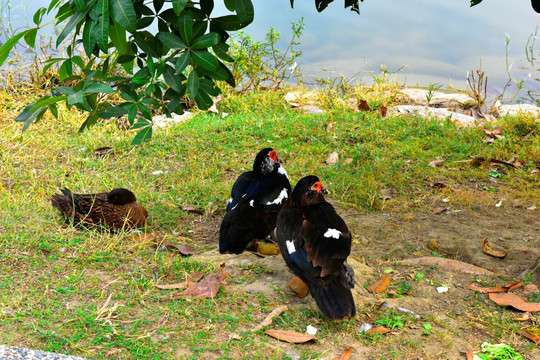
(319,188)
(273,155)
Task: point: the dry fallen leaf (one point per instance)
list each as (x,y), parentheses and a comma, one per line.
(268,319)
(378,330)
(172,286)
(436,163)
(362,105)
(290,336)
(470,355)
(182,248)
(330,126)
(348,161)
(192,209)
(265,248)
(529,288)
(145,238)
(208,287)
(439,210)
(514,301)
(495,289)
(345,355)
(103,151)
(529,335)
(332,158)
(387,194)
(490,251)
(299,287)
(526,316)
(379,286)
(447,264)
(382,111)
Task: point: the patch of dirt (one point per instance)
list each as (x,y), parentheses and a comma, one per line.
(461,319)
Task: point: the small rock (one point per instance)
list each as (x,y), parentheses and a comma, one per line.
(311,330)
(442,289)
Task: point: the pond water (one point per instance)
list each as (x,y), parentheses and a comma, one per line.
(434,41)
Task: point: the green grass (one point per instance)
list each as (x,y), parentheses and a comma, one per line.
(55,279)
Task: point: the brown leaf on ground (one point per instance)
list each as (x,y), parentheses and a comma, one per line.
(526,316)
(436,163)
(208,287)
(332,158)
(145,238)
(192,209)
(379,286)
(290,336)
(348,161)
(439,210)
(447,264)
(470,355)
(265,248)
(514,301)
(329,126)
(299,287)
(378,330)
(362,105)
(182,248)
(268,319)
(383,110)
(345,355)
(170,204)
(528,335)
(496,289)
(387,194)
(103,151)
(492,252)
(180,285)
(529,288)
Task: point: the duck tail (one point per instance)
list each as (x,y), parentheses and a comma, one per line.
(63,201)
(334,299)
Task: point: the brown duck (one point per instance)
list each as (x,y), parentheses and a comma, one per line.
(117,209)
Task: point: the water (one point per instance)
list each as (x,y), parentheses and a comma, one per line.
(435,41)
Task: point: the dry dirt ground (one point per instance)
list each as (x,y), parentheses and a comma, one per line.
(461,319)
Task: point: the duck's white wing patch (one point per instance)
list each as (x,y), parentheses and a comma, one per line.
(282,171)
(229,201)
(290,246)
(251,203)
(332,233)
(282,196)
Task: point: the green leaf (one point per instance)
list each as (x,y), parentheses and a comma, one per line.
(142,136)
(229,4)
(244,9)
(172,79)
(111,111)
(77,60)
(229,22)
(146,42)
(118,38)
(30,37)
(145,111)
(89,37)
(79,4)
(182,62)
(38,16)
(185,26)
(102,30)
(124,14)
(65,90)
(74,21)
(65,70)
(132,111)
(206,41)
(207,6)
(98,88)
(9,44)
(141,123)
(178,6)
(221,51)
(203,100)
(75,98)
(171,40)
(193,84)
(90,120)
(205,59)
